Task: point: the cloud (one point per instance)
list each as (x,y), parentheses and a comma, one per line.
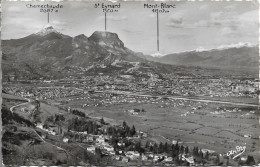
(173,36)
(248,17)
(175,21)
(152,15)
(58,23)
(231,7)
(113,18)
(117,18)
(14,9)
(132,31)
(204,7)
(201,23)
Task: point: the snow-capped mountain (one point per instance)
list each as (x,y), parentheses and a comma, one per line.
(223,47)
(47,29)
(237,45)
(157,55)
(241,55)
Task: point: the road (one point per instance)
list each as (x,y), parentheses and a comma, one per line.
(12,108)
(29,101)
(184,98)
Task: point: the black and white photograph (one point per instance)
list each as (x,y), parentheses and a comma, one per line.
(130,83)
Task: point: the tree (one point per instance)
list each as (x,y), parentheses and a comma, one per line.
(132,131)
(147,144)
(201,153)
(166,149)
(217,161)
(207,155)
(138,147)
(186,150)
(50,119)
(102,121)
(250,160)
(195,151)
(124,125)
(160,149)
(177,146)
(127,131)
(151,148)
(98,152)
(177,160)
(182,149)
(155,148)
(227,162)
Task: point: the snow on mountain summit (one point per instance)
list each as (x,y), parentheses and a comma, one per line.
(223,47)
(47,29)
(237,45)
(157,54)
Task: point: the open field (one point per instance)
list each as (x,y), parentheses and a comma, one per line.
(213,126)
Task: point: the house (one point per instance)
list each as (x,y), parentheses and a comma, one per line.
(174,142)
(125,159)
(91,149)
(65,140)
(108,148)
(150,155)
(144,158)
(133,155)
(189,159)
(117,157)
(144,135)
(90,138)
(243,158)
(39,125)
(204,151)
(100,139)
(168,159)
(247,136)
(156,158)
(121,144)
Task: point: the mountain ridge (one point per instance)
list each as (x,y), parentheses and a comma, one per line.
(243,56)
(51,54)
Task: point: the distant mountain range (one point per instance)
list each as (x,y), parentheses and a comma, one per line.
(51,54)
(229,57)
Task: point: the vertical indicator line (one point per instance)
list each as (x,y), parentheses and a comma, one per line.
(158,31)
(48,17)
(105,21)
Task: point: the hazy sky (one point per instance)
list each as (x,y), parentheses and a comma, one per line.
(189,26)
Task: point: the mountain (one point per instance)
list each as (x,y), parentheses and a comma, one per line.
(51,54)
(157,55)
(229,57)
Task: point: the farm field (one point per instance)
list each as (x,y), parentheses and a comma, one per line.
(218,127)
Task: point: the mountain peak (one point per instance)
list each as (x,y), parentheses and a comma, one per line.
(105,34)
(47,29)
(157,54)
(81,36)
(107,39)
